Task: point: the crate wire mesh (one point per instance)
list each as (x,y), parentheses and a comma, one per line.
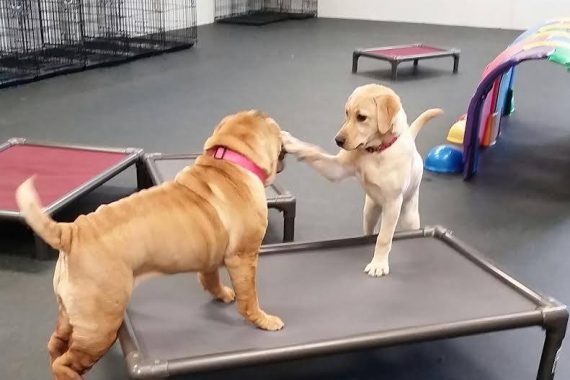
(47,37)
(261,12)
(301,8)
(19,39)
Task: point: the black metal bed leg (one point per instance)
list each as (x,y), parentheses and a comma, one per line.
(143,178)
(555,326)
(43,250)
(455,64)
(394,70)
(416,62)
(355,57)
(289,212)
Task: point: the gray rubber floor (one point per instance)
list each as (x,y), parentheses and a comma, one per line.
(517,208)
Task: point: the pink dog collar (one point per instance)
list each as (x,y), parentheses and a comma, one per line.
(383,146)
(223,153)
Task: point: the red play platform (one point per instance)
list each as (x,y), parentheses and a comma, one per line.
(62,172)
(403,53)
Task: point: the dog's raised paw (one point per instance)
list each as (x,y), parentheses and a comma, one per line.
(291,144)
(270,323)
(377,268)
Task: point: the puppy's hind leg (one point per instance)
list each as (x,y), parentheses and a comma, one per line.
(371,215)
(212,283)
(410,215)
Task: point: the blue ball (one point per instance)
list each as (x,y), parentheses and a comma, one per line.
(444,159)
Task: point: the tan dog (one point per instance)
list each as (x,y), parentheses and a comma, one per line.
(214,213)
(379,149)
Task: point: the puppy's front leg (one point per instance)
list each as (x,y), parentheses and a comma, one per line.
(334,168)
(242,268)
(379,266)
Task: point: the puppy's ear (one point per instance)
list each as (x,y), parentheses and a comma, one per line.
(387,106)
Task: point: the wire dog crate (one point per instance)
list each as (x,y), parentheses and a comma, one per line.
(122,29)
(39,38)
(262,12)
(27,39)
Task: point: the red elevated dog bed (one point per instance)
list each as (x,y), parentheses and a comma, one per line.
(403,53)
(62,172)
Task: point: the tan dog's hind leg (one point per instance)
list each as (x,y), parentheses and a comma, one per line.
(410,216)
(371,215)
(95,320)
(212,283)
(86,348)
(242,273)
(59,341)
(379,266)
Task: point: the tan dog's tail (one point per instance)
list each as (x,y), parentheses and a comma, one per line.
(52,232)
(417,125)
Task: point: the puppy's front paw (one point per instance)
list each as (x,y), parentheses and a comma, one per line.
(270,323)
(291,144)
(377,268)
(228,295)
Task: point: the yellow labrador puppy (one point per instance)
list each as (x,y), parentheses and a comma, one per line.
(378,147)
(213,214)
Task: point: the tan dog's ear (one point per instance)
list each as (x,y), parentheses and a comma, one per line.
(387,106)
(259,113)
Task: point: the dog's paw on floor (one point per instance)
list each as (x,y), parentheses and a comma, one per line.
(377,268)
(270,323)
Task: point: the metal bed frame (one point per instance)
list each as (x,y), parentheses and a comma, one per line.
(542,311)
(133,157)
(396,60)
(283,201)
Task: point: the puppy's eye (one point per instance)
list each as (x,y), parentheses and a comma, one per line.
(346,113)
(360,117)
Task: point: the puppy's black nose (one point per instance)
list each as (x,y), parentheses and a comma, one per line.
(339,141)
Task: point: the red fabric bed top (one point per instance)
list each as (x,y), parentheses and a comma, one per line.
(58,170)
(405,51)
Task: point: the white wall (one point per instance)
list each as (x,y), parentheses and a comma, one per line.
(504,14)
(205,11)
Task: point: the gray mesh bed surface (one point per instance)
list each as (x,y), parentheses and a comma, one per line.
(437,288)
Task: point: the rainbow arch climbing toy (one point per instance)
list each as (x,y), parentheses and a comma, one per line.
(493,98)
